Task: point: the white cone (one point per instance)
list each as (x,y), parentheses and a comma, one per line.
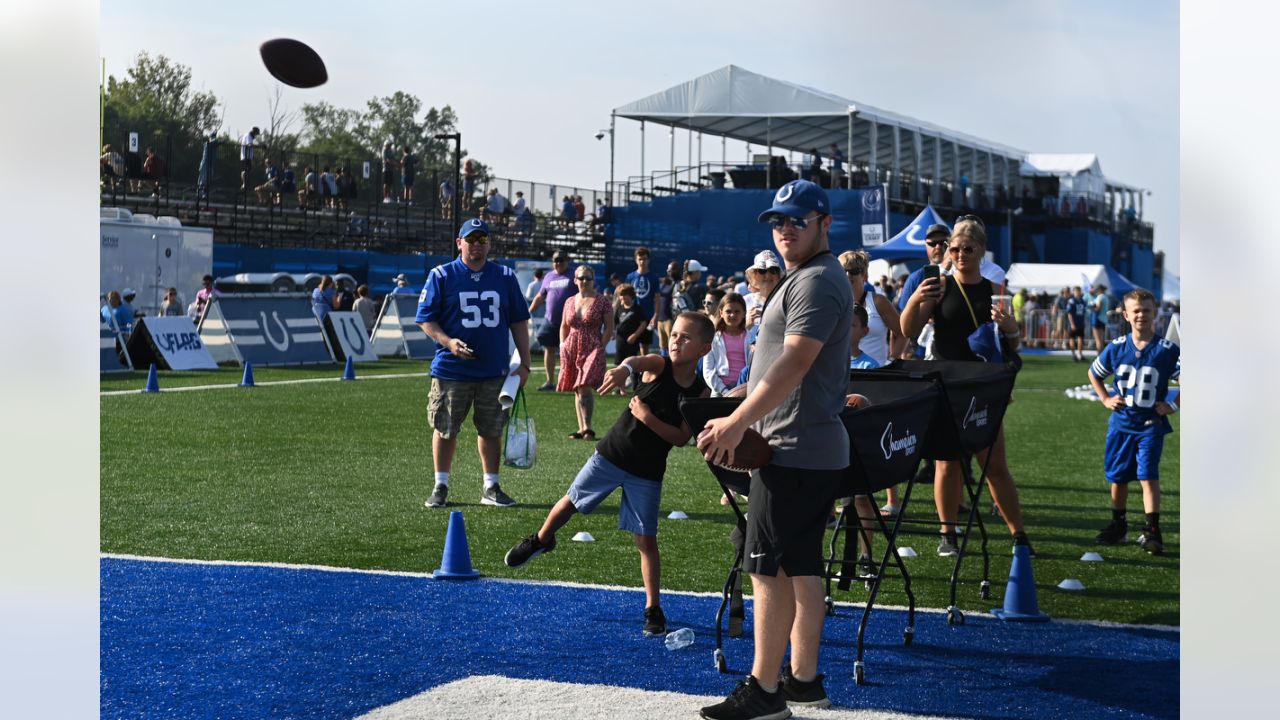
(1091,557)
(906,552)
(1071,584)
(584,536)
(677,515)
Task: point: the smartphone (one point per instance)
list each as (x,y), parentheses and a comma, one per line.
(930,271)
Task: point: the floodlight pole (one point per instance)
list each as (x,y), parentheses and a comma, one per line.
(613,121)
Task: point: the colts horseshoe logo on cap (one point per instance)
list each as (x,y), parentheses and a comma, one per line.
(784,193)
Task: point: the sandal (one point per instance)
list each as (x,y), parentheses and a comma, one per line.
(576,436)
(589,434)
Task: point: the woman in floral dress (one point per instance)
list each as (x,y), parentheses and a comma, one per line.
(584,333)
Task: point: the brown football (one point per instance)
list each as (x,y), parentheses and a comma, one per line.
(293,62)
(751,453)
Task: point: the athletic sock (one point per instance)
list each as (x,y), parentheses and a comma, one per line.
(442,478)
(1153,521)
(1117,514)
(490,479)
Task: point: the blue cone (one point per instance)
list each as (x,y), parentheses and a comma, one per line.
(349,373)
(456,564)
(153,383)
(247,380)
(1020,594)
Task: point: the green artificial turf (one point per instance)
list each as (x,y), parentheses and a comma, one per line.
(335,473)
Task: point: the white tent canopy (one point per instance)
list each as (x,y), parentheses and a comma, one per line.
(1052,277)
(1171,287)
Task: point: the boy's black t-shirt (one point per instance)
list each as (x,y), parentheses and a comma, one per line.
(626,321)
(630,444)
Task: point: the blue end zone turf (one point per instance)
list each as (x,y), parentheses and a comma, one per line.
(194,640)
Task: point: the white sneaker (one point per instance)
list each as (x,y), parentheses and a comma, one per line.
(890,510)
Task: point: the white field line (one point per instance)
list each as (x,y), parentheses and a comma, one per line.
(568,584)
(269,382)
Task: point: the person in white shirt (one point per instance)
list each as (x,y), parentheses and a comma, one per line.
(762,277)
(248,142)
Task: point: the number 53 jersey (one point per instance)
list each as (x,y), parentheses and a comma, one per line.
(477,307)
(1142,379)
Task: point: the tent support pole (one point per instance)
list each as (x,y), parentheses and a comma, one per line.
(849,152)
(768,138)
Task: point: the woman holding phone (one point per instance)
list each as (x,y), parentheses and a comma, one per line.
(958,304)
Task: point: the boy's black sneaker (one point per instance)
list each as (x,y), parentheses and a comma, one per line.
(439,496)
(655,623)
(528,549)
(1114,533)
(808,694)
(749,702)
(1151,541)
(493,495)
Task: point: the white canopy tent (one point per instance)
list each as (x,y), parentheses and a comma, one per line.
(1052,277)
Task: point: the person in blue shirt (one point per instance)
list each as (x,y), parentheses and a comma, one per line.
(859,360)
(1076,310)
(323,298)
(935,247)
(117,314)
(646,284)
(1143,365)
(470,307)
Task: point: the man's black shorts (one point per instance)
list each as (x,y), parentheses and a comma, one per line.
(1076,332)
(787,512)
(549,336)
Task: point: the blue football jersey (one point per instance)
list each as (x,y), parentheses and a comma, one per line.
(1142,379)
(477,307)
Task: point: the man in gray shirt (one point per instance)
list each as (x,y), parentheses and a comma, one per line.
(796,390)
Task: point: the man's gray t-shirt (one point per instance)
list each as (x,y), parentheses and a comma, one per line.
(805,431)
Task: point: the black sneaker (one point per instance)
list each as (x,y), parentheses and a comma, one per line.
(1020,538)
(866,568)
(655,623)
(1151,541)
(749,702)
(439,496)
(808,694)
(527,549)
(494,496)
(1114,533)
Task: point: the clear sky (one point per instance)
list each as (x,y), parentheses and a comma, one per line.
(533,82)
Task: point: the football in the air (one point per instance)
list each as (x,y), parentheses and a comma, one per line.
(751,453)
(293,62)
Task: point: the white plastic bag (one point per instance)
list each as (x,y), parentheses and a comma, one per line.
(522,440)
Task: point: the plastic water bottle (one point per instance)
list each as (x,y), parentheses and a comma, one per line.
(681,638)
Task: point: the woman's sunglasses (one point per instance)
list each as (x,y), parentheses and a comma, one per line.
(957,249)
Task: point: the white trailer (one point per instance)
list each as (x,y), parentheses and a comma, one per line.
(150,255)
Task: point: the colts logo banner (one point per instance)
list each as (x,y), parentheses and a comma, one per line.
(871,200)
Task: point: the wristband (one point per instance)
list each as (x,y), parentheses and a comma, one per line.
(630,370)
(1172,404)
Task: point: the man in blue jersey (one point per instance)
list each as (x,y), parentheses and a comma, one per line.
(1143,365)
(469,307)
(1076,307)
(646,284)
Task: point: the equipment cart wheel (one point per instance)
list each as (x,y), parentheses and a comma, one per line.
(721,665)
(954,616)
(859,676)
(908,635)
(831,607)
(984,590)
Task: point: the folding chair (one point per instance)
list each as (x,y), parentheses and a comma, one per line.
(972,407)
(886,446)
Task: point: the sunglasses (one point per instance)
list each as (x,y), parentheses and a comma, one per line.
(474,238)
(777,222)
(957,249)
(584,278)
(936,243)
(971,218)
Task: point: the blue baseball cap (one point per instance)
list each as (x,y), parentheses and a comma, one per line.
(797,199)
(475,225)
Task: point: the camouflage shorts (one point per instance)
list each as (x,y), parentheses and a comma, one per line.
(451,400)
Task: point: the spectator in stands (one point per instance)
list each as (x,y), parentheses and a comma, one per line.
(288,182)
(472,358)
(446,198)
(323,298)
(344,299)
(585,331)
(133,170)
(111,168)
(171,306)
(531,290)
(116,314)
(496,207)
(579,208)
(957,308)
(816,173)
(837,166)
(402,286)
(248,142)
(268,190)
(604,213)
(470,174)
(557,287)
(367,308)
(1082,206)
(388,170)
(327,188)
(341,181)
(730,350)
(662,305)
(519,206)
(408,171)
(645,284)
(153,170)
(206,291)
(309,193)
(568,213)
